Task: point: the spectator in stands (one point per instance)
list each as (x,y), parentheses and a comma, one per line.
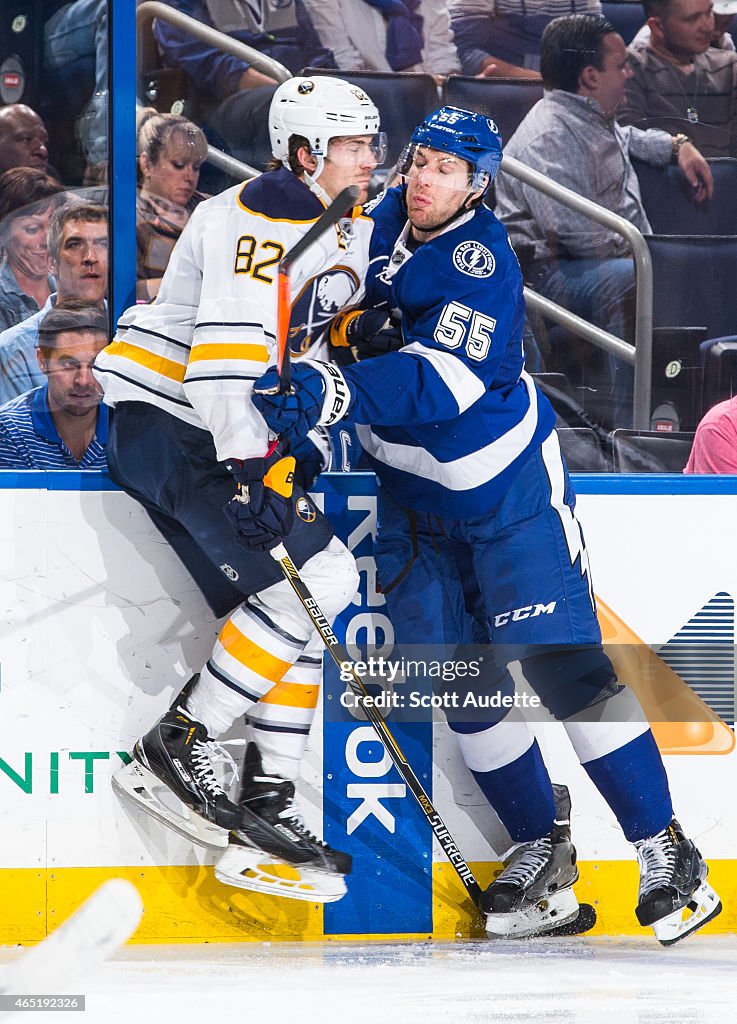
(680,82)
(387,35)
(27,200)
(171,151)
(715,444)
(241,94)
(571,136)
(723,11)
(78,259)
(61,424)
(23,138)
(78,31)
(502,37)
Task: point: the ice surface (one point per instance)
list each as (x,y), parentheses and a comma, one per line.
(546,981)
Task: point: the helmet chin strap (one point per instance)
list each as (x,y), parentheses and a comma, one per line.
(312,183)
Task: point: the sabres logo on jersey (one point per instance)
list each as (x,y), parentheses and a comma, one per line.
(317,304)
(474,259)
(305,511)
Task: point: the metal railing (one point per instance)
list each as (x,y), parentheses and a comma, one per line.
(151,9)
(640,354)
(229,164)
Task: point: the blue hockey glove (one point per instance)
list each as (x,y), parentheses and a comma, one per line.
(261,512)
(319,396)
(311,458)
(367,332)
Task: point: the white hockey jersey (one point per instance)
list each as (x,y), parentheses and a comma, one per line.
(197,349)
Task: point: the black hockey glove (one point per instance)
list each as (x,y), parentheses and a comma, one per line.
(261,511)
(367,332)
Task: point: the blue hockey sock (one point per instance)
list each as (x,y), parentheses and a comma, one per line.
(521,794)
(633,782)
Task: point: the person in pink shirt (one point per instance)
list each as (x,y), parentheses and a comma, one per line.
(715,444)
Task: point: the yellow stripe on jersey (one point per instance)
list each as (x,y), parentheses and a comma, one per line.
(244,353)
(292,695)
(150,360)
(250,655)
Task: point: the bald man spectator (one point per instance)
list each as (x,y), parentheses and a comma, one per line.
(77,243)
(23,138)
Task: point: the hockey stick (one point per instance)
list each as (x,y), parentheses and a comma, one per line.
(586,913)
(342,203)
(341,658)
(93,933)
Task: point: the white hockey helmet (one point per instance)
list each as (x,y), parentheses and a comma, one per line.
(320,109)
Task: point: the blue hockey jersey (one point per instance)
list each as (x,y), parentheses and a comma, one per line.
(449,420)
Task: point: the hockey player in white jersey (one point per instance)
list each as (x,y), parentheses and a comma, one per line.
(187,443)
(473,490)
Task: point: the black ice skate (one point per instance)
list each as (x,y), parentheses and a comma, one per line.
(172,777)
(533,895)
(674,898)
(272,833)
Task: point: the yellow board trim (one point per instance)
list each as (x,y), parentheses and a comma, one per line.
(188,904)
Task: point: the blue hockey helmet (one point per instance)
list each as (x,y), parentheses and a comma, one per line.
(462,133)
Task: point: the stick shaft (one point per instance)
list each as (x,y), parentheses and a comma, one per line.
(341,658)
(342,203)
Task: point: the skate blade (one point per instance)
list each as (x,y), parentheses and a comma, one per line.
(136,783)
(249,869)
(547,916)
(703,907)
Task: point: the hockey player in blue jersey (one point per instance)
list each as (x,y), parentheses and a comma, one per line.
(472,483)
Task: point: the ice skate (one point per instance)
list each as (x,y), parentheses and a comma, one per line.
(674,898)
(533,895)
(172,778)
(273,836)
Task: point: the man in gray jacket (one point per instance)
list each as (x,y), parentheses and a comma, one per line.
(571,136)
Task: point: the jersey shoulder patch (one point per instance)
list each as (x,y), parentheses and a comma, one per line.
(474,259)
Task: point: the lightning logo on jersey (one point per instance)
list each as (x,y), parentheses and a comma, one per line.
(474,259)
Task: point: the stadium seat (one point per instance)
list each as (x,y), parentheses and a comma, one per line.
(666,196)
(582,451)
(627,18)
(506,100)
(694,282)
(676,378)
(404,100)
(720,371)
(647,451)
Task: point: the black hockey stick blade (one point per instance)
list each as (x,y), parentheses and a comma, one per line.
(342,659)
